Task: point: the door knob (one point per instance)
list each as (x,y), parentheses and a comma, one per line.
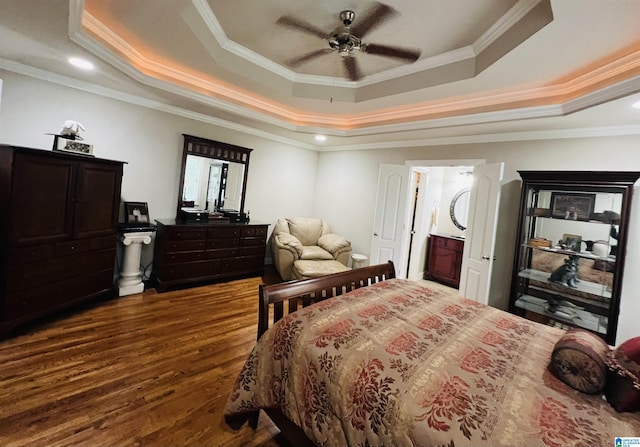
(375,234)
(485,257)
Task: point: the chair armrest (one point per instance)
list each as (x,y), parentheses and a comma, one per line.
(286,241)
(334,243)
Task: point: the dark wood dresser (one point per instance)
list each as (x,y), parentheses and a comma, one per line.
(444,259)
(190,253)
(58,230)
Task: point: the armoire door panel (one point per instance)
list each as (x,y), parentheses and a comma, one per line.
(96,206)
(43,203)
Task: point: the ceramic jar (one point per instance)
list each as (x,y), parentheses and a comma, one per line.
(601,248)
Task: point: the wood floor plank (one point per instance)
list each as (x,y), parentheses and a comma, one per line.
(142,370)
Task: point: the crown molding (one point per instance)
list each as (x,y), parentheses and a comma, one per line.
(423,142)
(533,135)
(504,24)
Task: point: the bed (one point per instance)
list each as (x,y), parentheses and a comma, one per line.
(373,360)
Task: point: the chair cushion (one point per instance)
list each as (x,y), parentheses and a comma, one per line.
(313,269)
(286,239)
(307,229)
(623,381)
(311,252)
(579,359)
(332,242)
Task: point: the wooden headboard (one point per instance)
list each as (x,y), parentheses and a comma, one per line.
(309,291)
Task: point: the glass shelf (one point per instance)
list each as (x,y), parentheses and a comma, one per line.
(562,251)
(591,221)
(598,291)
(565,314)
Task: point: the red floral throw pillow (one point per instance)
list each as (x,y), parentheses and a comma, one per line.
(623,381)
(579,359)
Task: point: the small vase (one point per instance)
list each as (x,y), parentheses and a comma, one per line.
(601,248)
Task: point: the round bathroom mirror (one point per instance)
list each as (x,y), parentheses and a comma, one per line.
(459,207)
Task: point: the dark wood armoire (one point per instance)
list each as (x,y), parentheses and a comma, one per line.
(58,231)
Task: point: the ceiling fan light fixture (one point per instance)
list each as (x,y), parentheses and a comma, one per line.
(342,40)
(346,39)
(347,17)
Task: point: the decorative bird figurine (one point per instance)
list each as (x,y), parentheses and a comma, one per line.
(71,129)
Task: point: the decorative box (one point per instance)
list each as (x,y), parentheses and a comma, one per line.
(194,215)
(539,242)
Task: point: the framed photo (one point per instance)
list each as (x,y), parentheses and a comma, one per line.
(63,144)
(573,206)
(136,212)
(572,242)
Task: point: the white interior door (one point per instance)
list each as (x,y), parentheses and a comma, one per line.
(390,232)
(233,191)
(478,254)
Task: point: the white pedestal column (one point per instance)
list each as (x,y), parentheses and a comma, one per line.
(130,281)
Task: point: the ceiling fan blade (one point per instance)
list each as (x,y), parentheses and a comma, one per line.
(353,70)
(396,52)
(295,61)
(301,25)
(372,19)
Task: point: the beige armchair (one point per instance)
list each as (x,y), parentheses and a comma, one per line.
(304,238)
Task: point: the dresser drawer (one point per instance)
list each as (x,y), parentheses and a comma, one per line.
(186,234)
(242,264)
(184,256)
(71,247)
(190,270)
(253,242)
(173,246)
(252,251)
(223,253)
(223,232)
(40,300)
(221,243)
(254,231)
(453,244)
(28,276)
(30,254)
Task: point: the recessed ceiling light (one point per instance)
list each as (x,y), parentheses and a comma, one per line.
(81,63)
(321,138)
(636,105)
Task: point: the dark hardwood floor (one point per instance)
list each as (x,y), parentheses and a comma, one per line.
(142,370)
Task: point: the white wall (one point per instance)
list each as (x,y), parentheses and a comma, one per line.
(352,215)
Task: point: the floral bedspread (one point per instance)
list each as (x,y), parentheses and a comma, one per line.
(400,364)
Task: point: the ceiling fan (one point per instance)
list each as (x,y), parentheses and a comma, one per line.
(347,39)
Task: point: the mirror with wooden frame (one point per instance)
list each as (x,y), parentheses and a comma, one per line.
(213,176)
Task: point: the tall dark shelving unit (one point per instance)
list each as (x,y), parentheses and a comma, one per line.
(570,249)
